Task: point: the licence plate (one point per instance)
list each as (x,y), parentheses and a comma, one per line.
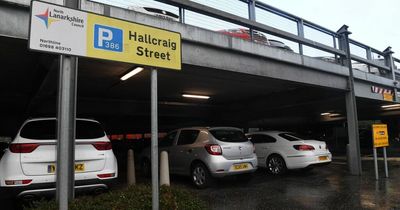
(322,158)
(79,167)
(240,166)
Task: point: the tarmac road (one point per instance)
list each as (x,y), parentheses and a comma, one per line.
(327,187)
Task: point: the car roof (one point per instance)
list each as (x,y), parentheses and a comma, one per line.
(53,118)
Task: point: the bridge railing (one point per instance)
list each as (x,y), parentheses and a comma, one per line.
(302,36)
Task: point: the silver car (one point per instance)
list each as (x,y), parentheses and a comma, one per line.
(204,153)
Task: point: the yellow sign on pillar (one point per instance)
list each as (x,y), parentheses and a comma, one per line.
(387,97)
(380,135)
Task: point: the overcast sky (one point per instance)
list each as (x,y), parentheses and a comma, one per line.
(372,22)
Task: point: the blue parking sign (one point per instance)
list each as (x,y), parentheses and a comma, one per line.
(108,38)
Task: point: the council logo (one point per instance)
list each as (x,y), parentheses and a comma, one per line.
(46,19)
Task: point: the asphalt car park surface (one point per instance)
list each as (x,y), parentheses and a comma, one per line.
(327,187)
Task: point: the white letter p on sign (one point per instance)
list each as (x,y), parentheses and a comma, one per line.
(104,35)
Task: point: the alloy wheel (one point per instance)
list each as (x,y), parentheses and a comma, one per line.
(276,165)
(199,176)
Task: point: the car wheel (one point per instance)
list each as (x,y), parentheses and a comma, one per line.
(201,177)
(276,165)
(146,168)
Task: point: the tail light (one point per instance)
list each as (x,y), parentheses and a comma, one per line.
(23,148)
(304,147)
(213,149)
(103,176)
(18,182)
(102,145)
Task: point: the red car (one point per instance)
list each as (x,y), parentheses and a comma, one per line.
(245,34)
(259,37)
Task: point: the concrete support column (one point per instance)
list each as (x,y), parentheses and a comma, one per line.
(354,156)
(388,53)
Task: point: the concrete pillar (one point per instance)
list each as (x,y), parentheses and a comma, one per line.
(131,175)
(164,169)
(354,156)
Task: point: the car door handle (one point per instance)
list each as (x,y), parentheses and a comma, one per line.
(190,150)
(265,147)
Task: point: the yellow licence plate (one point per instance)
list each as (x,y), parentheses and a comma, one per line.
(79,167)
(241,166)
(322,158)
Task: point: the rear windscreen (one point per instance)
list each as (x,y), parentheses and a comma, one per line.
(46,130)
(229,135)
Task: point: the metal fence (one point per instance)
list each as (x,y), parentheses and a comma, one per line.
(302,36)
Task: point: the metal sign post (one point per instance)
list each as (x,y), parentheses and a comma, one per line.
(65,167)
(66,131)
(376,164)
(380,139)
(386,164)
(96,36)
(154,141)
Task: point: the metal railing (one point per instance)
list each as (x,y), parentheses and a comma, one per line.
(301,34)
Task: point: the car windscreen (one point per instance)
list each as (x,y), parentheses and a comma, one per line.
(46,130)
(229,135)
(293,137)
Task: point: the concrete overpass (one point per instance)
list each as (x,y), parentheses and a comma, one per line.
(251,85)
